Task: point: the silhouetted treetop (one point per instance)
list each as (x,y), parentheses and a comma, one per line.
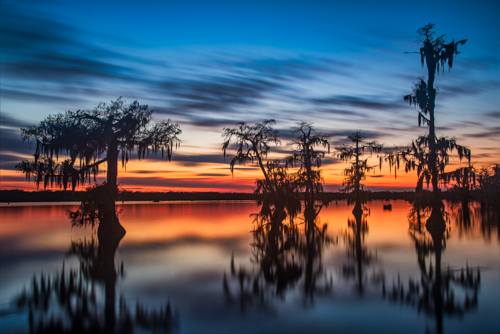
(356,173)
(305,143)
(436,51)
(252,142)
(347,152)
(308,157)
(85,135)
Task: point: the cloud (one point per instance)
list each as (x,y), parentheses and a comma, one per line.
(220,91)
(225,91)
(40,47)
(202,159)
(493,114)
(209,175)
(342,112)
(214,122)
(483,63)
(7,120)
(287,68)
(28,96)
(368,102)
(187,160)
(211,90)
(8,161)
(193,183)
(469,87)
(483,155)
(11,141)
(491,133)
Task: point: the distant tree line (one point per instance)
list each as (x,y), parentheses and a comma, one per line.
(16,196)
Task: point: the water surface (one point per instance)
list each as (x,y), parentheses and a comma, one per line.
(382,272)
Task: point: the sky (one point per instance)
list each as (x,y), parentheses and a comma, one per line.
(206,65)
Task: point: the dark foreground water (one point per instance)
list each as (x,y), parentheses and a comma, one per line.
(196,267)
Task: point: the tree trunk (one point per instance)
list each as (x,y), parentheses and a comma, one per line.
(432,163)
(112,172)
(357,181)
(110,224)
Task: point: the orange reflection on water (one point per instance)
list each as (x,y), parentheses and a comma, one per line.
(383,225)
(171,220)
(36,226)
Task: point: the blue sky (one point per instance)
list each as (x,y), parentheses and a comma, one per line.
(208,65)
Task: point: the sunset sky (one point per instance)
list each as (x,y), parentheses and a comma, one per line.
(208,65)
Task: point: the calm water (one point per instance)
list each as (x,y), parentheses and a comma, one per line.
(377,274)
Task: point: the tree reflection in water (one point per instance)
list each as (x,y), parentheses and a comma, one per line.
(283,260)
(440,291)
(474,215)
(358,252)
(84,300)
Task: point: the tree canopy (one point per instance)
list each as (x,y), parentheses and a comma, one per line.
(252,143)
(356,173)
(88,138)
(306,155)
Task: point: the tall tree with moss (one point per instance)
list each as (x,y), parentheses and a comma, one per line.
(430,154)
(356,173)
(89,138)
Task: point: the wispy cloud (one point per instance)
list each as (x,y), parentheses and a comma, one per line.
(490,133)
(360,102)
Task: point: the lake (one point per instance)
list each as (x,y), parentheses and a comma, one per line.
(193,267)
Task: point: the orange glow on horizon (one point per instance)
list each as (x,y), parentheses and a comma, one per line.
(160,176)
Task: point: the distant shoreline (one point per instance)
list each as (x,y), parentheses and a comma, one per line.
(21,196)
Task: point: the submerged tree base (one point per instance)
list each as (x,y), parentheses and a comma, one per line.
(436,226)
(113,230)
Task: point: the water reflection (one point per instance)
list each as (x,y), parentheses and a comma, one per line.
(440,291)
(358,253)
(435,279)
(470,217)
(84,300)
(284,257)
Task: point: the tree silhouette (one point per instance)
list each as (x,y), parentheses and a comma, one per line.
(356,173)
(85,135)
(283,201)
(90,138)
(464,179)
(417,157)
(309,176)
(278,191)
(489,186)
(430,153)
(253,143)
